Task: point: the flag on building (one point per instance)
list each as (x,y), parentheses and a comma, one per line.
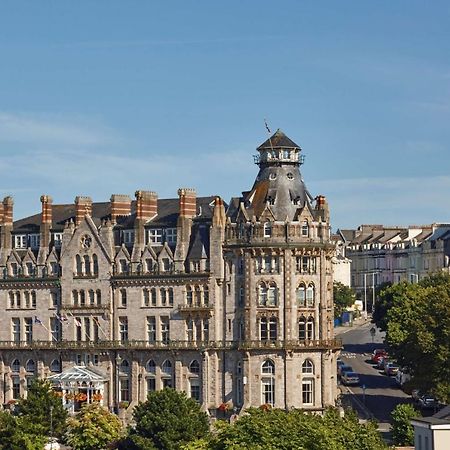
(37,320)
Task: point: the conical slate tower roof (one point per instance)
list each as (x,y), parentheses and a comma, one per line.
(278,140)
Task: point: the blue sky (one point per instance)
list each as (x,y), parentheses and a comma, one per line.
(105,97)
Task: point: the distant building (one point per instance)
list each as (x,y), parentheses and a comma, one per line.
(432,433)
(230,303)
(382,254)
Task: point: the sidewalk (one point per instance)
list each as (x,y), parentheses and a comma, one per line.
(358,322)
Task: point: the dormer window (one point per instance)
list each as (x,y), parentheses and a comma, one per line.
(20,241)
(57,239)
(171,235)
(155,236)
(286,154)
(35,240)
(305,228)
(128,237)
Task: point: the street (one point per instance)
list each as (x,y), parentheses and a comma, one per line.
(377,395)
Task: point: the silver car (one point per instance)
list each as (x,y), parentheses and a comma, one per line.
(350,378)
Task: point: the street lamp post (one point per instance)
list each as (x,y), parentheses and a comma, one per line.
(365,295)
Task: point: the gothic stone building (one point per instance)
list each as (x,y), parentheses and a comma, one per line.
(230,303)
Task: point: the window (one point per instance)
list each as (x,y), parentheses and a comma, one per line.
(91,297)
(55,366)
(151,367)
(128,237)
(124,389)
(28,327)
(305,228)
(306,264)
(78,266)
(153,296)
(55,329)
(57,239)
(123,264)
(307,367)
(123,298)
(163,294)
(123,328)
(33,299)
(26,295)
(310,328)
(189,298)
(166,264)
(15,388)
(95,263)
(190,330)
(272,295)
(99,296)
(171,235)
(268,329)
(151,329)
(268,382)
(195,388)
(151,372)
(145,297)
(87,265)
(155,236)
(310,295)
(170,295)
(301,295)
(54,299)
(149,265)
(205,295)
(15,366)
(34,240)
(302,328)
(307,392)
(165,330)
(267,229)
(12,303)
(30,269)
(241,296)
(194,367)
(166,374)
(30,366)
(20,241)
(262,294)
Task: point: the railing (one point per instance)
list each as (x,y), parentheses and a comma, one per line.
(173,345)
(89,307)
(196,308)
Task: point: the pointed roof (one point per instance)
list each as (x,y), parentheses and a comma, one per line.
(77,373)
(278,139)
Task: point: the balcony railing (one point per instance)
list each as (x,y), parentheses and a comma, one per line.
(172,345)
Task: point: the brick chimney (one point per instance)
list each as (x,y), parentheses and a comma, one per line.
(83,207)
(46,220)
(120,206)
(6,215)
(146,205)
(187,202)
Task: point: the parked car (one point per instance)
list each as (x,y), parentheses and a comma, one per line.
(391,369)
(350,378)
(377,354)
(344,368)
(427,401)
(339,363)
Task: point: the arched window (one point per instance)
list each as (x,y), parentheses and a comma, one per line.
(18,302)
(198,296)
(151,367)
(99,296)
(15,366)
(30,366)
(125,366)
(146,297)
(268,382)
(163,295)
(189,298)
(307,367)
(55,366)
(267,227)
(153,296)
(27,299)
(301,295)
(166,367)
(194,367)
(302,328)
(310,328)
(310,295)
(272,295)
(11,300)
(206,295)
(305,228)
(262,294)
(33,299)
(91,297)
(123,298)
(170,295)
(190,329)
(78,266)
(75,297)
(87,265)
(167,374)
(95,263)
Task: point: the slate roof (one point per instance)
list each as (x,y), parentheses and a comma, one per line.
(168,211)
(277,140)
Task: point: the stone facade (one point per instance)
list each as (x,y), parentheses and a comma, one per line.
(230,303)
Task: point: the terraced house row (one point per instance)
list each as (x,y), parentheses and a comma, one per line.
(231,303)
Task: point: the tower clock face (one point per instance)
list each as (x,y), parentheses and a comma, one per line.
(86,241)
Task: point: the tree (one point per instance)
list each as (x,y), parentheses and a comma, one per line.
(344,297)
(417,324)
(277,429)
(402,429)
(36,408)
(94,427)
(166,421)
(17,433)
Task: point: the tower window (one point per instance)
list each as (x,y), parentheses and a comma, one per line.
(267,229)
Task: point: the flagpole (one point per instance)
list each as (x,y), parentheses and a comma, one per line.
(39,322)
(269,133)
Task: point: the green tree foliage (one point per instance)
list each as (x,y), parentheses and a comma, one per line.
(402,430)
(417,324)
(18,433)
(93,428)
(36,408)
(166,421)
(278,429)
(344,297)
